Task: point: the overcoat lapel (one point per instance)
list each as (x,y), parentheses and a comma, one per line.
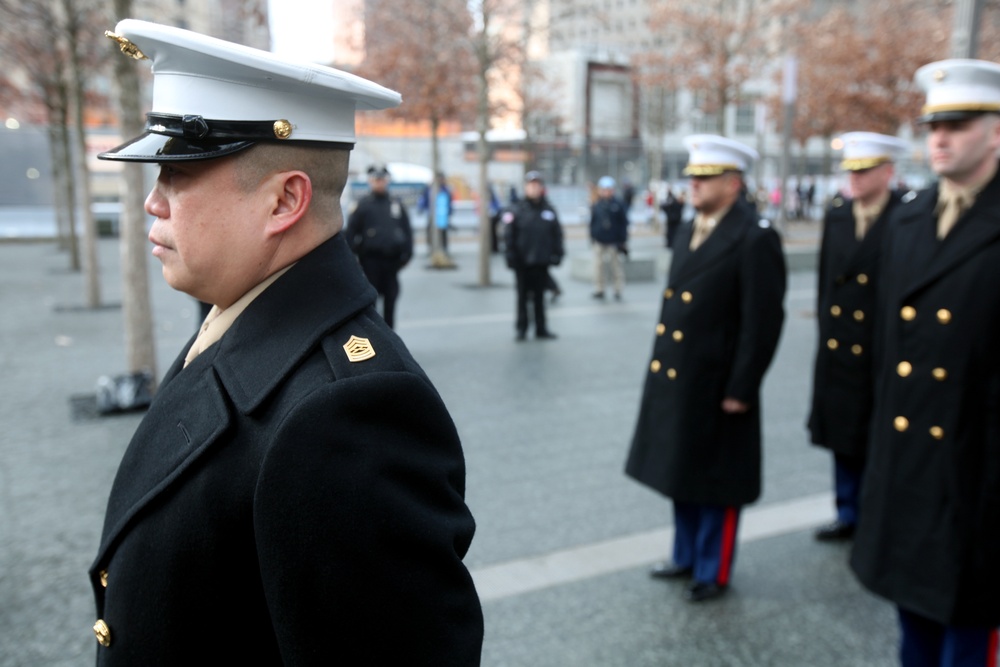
(191,409)
(718,244)
(975,230)
(173,434)
(870,246)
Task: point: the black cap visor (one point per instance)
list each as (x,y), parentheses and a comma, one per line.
(153,147)
(951,114)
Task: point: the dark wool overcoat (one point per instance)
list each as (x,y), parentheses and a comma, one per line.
(843,386)
(719,327)
(281,504)
(928,538)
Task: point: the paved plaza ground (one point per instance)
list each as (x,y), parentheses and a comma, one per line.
(564,539)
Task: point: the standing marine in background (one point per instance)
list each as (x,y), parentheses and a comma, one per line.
(928,538)
(848,278)
(379,232)
(698,435)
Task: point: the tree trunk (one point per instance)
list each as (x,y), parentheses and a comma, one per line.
(483,151)
(62,175)
(92,271)
(140,349)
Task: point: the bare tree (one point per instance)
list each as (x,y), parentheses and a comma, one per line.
(498,41)
(49,89)
(140,348)
(856,70)
(716,46)
(75,20)
(422,49)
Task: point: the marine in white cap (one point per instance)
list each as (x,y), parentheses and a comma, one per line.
(294,494)
(927,537)
(850,249)
(698,436)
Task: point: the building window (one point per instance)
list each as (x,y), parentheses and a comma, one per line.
(745,117)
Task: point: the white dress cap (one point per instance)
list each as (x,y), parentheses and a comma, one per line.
(711,155)
(864,150)
(958,89)
(213,98)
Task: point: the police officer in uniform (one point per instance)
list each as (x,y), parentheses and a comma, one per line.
(928,538)
(295,493)
(379,232)
(533,243)
(845,309)
(698,436)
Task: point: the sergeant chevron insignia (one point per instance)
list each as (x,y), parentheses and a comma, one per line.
(358,349)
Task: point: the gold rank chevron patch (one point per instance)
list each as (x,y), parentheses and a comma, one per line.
(358,349)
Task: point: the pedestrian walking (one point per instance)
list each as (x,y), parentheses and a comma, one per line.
(927,538)
(533,243)
(698,437)
(379,232)
(609,236)
(295,490)
(848,278)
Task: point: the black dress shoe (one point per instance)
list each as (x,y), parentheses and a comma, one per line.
(700,591)
(668,570)
(838,531)
(546,335)
(519,337)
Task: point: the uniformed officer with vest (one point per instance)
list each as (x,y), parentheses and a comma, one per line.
(698,436)
(533,241)
(295,493)
(845,312)
(928,538)
(379,232)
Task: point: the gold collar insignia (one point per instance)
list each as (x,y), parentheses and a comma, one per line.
(358,349)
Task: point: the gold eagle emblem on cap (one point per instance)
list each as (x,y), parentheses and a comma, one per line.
(127,47)
(358,349)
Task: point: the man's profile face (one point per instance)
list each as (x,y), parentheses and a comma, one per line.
(208,232)
(957,148)
(379,185)
(868,185)
(710,194)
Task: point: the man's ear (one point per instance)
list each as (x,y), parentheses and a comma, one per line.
(289,196)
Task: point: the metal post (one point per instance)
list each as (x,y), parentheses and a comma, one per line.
(788,95)
(965,32)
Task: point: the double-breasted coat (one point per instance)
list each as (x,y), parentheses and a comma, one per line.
(928,538)
(719,326)
(843,384)
(284,503)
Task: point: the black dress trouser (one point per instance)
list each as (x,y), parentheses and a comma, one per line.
(531,281)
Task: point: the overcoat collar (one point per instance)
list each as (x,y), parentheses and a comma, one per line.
(719,243)
(264,345)
(976,228)
(871,245)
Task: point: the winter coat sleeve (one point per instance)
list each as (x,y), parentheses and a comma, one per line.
(762,292)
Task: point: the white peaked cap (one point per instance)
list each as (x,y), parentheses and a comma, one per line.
(212,97)
(710,155)
(959,88)
(864,150)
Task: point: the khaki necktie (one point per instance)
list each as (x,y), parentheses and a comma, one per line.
(950,207)
(702,228)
